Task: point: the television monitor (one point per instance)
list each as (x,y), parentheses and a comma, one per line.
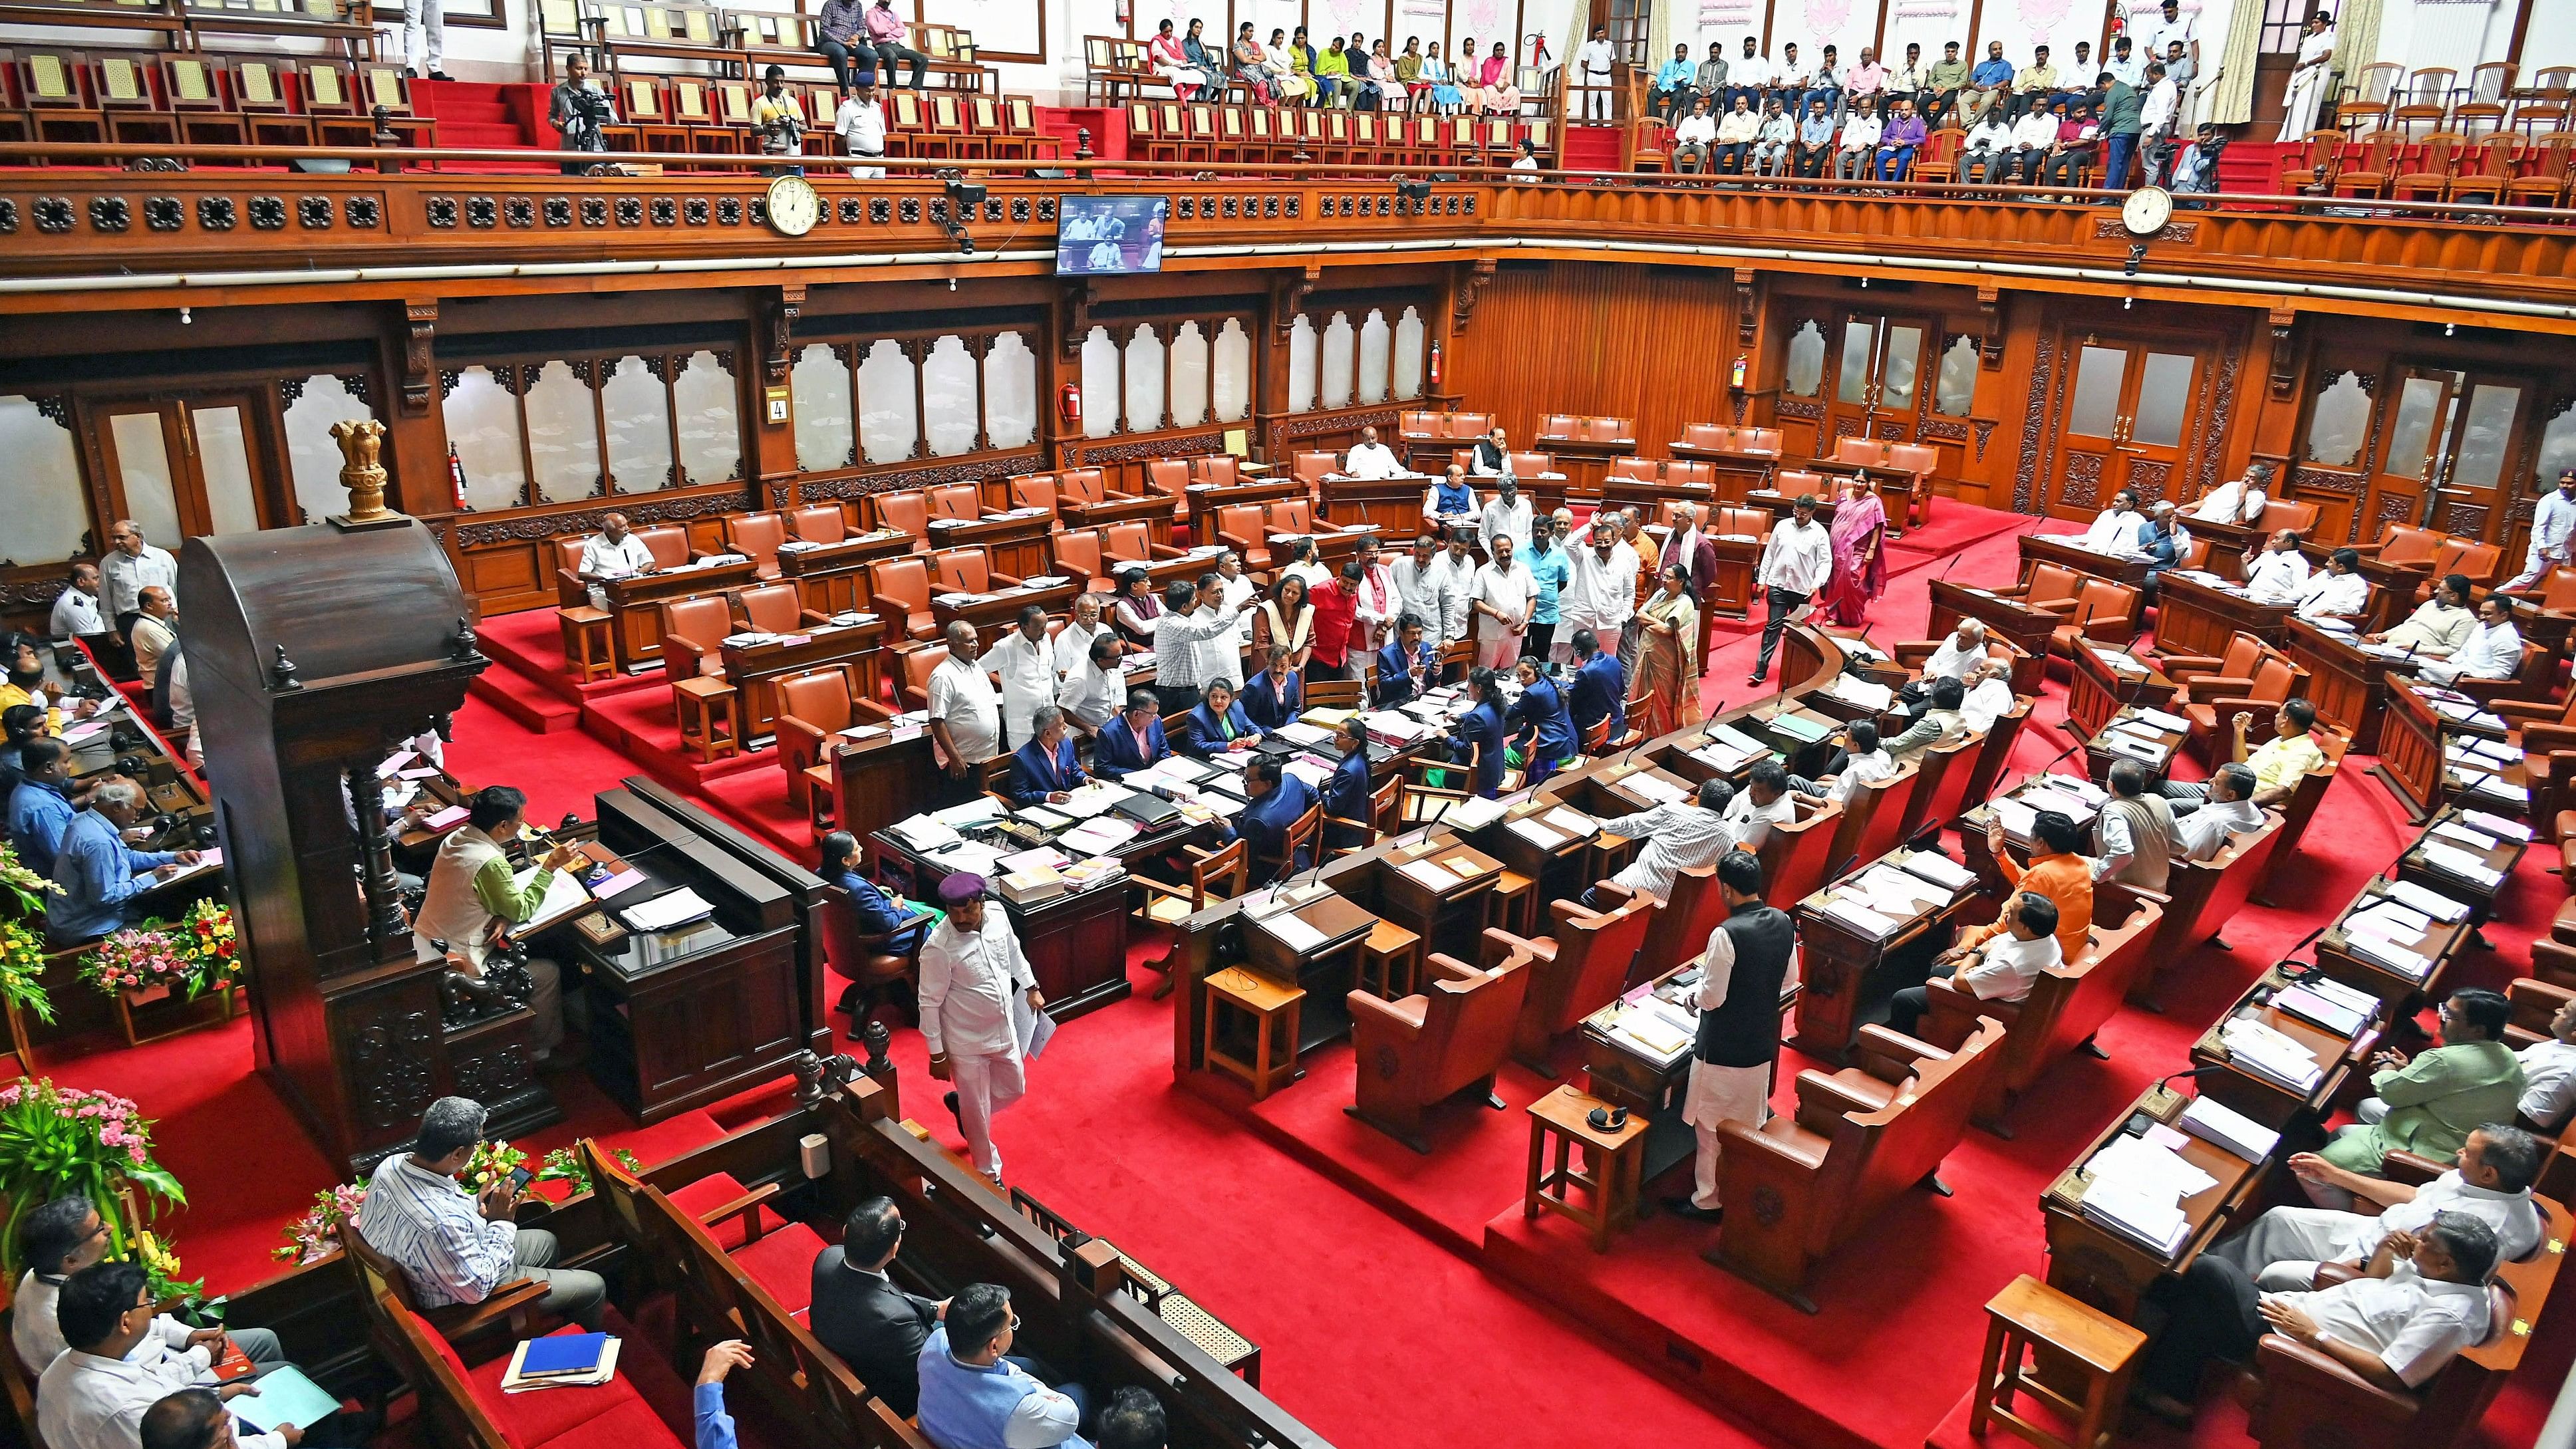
(1097,235)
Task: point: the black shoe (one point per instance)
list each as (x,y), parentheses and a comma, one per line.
(440,75)
(950,1102)
(1681,1206)
(1754,680)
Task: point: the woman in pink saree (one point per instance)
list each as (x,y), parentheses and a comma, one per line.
(1501,95)
(1860,559)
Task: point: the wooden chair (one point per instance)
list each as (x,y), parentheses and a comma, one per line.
(2426,98)
(1303,836)
(758,535)
(2366,101)
(2548,172)
(813,708)
(2486,98)
(2066,1006)
(1385,816)
(1797,856)
(2308,165)
(1575,971)
(509,1308)
(2369,174)
(263,91)
(1334,694)
(1942,793)
(2431,172)
(823,523)
(1445,1041)
(899,592)
(1860,1138)
(1871,817)
(693,632)
(867,959)
(199,91)
(1220,874)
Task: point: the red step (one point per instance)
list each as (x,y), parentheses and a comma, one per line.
(1590,148)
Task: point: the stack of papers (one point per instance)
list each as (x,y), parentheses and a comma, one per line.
(2332,1010)
(1854,913)
(2432,903)
(562,1361)
(972,857)
(2223,1126)
(1868,694)
(970,814)
(1096,798)
(2272,1054)
(663,912)
(1939,869)
(1100,835)
(1099,870)
(2497,825)
(2497,788)
(1298,732)
(1473,813)
(923,833)
(2451,860)
(1655,787)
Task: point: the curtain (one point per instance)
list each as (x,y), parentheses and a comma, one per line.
(2356,29)
(2231,99)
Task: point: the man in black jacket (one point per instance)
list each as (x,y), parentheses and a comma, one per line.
(859,1314)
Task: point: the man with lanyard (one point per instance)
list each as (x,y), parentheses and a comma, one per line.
(1738,1043)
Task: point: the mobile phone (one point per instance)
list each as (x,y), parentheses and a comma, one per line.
(520,1177)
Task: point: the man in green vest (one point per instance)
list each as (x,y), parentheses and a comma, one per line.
(2430,1104)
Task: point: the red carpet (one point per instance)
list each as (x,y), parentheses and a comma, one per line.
(1399,1299)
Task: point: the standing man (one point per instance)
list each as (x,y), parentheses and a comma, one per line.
(454,1246)
(965,714)
(1024,659)
(1457,584)
(886,34)
(1501,598)
(1748,958)
(861,124)
(1194,645)
(425,39)
(1505,515)
(612,553)
(2551,524)
(1593,61)
(1550,571)
(2123,117)
(474,894)
(973,978)
(1797,562)
(2156,122)
(1419,582)
(1093,693)
(1338,652)
(76,609)
(130,566)
(1602,596)
(1379,603)
(2158,34)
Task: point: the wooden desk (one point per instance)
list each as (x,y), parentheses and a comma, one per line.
(1560,868)
(2097,688)
(2266,1099)
(2098,759)
(2096,1265)
(2348,687)
(1623,1070)
(1014,543)
(1649,498)
(1780,505)
(2418,865)
(1393,504)
(1737,474)
(1206,500)
(2061,550)
(993,614)
(1585,461)
(2196,618)
(2338,957)
(832,578)
(635,606)
(2227,545)
(1327,971)
(1730,585)
(755,669)
(1076,942)
(1448,917)
(1120,508)
(1841,961)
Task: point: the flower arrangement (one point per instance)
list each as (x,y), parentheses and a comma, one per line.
(22,967)
(564,1165)
(206,938)
(316,1234)
(23,884)
(161,1270)
(491,1162)
(56,1141)
(138,958)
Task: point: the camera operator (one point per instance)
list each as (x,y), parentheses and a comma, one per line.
(581,113)
(781,125)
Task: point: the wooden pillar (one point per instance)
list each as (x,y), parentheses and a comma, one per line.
(415,444)
(770,436)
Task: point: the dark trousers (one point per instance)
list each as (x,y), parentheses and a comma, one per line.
(2211,1311)
(125,624)
(1537,639)
(1906,1009)
(1730,157)
(1936,106)
(840,55)
(891,54)
(2060,168)
(1811,160)
(1672,104)
(1178,699)
(2115,161)
(2186,795)
(2025,163)
(1783,604)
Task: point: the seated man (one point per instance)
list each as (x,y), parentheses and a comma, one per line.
(42,806)
(2226,812)
(876,1328)
(1737,131)
(2238,500)
(115,1368)
(1133,740)
(2549,1073)
(1045,770)
(1372,459)
(2279,763)
(2004,968)
(2493,649)
(2116,529)
(2277,573)
(1279,800)
(1941,722)
(1960,650)
(2134,835)
(1277,695)
(1764,802)
(1989,695)
(1134,1420)
(2421,1300)
(1407,665)
(2055,871)
(2430,1104)
(96,873)
(1218,724)
(2438,626)
(474,895)
(2336,591)
(2490,1179)
(1680,835)
(879,914)
(66,1236)
(612,553)
(972,1397)
(1693,138)
(453,1247)
(1861,762)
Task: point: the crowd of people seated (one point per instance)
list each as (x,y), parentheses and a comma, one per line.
(1349,72)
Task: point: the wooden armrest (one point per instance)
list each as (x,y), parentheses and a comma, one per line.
(2175,664)
(746,1207)
(2411,1168)
(504,1307)
(1161,888)
(2294,1373)
(1894,1045)
(1817,1089)
(2545,996)
(1401,1017)
(813,616)
(1001,579)
(1748,1151)
(1498,945)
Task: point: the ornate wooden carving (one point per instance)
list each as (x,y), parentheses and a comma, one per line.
(536,528)
(782,311)
(2181,233)
(1073,311)
(1470,282)
(1990,346)
(2222,414)
(2284,354)
(390,1061)
(2034,420)
(420,362)
(1288,298)
(1748,306)
(1985,429)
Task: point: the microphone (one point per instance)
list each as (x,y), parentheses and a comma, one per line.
(1434,820)
(2211,1070)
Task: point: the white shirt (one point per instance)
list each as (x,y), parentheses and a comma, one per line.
(1861,132)
(1092,694)
(2234,501)
(1695,130)
(2158,113)
(1421,590)
(1985,704)
(1679,836)
(1073,642)
(1799,560)
(1197,649)
(967,982)
(1455,581)
(2548,1082)
(2414,1325)
(2156,34)
(152,638)
(601,559)
(2276,578)
(1752,822)
(1510,590)
(2037,129)
(2551,524)
(2331,593)
(1951,660)
(1595,57)
(2516,1221)
(1748,70)
(2008,967)
(1431,504)
(1029,678)
(1372,460)
(1862,770)
(2205,831)
(1991,134)
(1378,600)
(2119,847)
(39,1338)
(1602,593)
(1736,127)
(961,696)
(122,580)
(2494,651)
(75,613)
(84,1401)
(862,126)
(1499,518)
(1236,593)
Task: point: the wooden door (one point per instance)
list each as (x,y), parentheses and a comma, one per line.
(188,465)
(1877,376)
(2126,416)
(2446,450)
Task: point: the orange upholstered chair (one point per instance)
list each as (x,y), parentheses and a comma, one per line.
(1685,473)
(812,708)
(1220,469)
(1085,485)
(1564,426)
(570,591)
(1312,468)
(1242,527)
(1445,1041)
(693,631)
(918,661)
(2104,612)
(1034,490)
(1609,430)
(2228,673)
(967,570)
(669,546)
(1747,522)
(1703,435)
(773,609)
(899,591)
(2404,543)
(2275,680)
(1130,542)
(1868,451)
(908,511)
(1796,482)
(1296,515)
(960,501)
(758,535)
(1642,470)
(1574,972)
(1078,554)
(822,523)
(1860,1138)
(1168,476)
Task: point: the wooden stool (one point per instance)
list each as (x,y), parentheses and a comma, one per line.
(1390,948)
(2083,1339)
(1274,1008)
(710,717)
(588,654)
(1509,904)
(1616,1160)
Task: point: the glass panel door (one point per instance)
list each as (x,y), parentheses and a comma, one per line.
(146,473)
(2100,375)
(2164,400)
(189,466)
(224,468)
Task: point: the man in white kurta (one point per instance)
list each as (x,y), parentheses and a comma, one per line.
(2493,649)
(2336,591)
(965,711)
(972,974)
(1602,594)
(1500,599)
(2551,524)
(2238,500)
(2115,529)
(1505,515)
(2490,1179)
(2278,573)
(1372,459)
(1795,565)
(1738,1038)
(1025,661)
(1453,579)
(612,553)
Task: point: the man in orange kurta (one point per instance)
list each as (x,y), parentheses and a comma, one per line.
(2056,870)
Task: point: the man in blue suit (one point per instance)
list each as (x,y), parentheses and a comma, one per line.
(1600,688)
(1407,665)
(1346,795)
(1279,800)
(1481,729)
(1133,740)
(1218,724)
(1276,695)
(1045,770)
(1540,724)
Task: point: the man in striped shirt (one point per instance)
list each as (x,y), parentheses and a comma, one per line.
(456,1247)
(1194,644)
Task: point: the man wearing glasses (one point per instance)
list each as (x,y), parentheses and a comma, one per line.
(972,1395)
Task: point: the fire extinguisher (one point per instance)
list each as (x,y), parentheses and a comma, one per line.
(1123,8)
(1068,404)
(1435,365)
(456,476)
(1735,376)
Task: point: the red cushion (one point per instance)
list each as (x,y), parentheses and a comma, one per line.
(631,1424)
(532,1419)
(711,1192)
(783,1262)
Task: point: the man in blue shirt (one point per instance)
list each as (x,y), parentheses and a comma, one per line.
(715,1426)
(19,724)
(1550,571)
(974,1398)
(1276,695)
(1988,85)
(98,874)
(1540,725)
(1672,89)
(1407,665)
(1045,770)
(1279,800)
(1133,740)
(41,806)
(1600,688)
